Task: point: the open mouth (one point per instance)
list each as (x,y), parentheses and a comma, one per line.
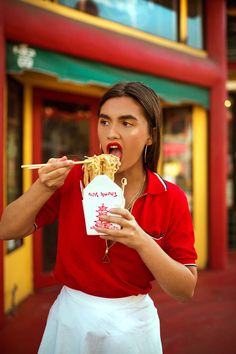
(114,149)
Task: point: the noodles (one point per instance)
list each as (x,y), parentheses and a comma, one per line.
(104,164)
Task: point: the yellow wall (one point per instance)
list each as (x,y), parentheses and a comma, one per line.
(18,272)
(18,266)
(200,191)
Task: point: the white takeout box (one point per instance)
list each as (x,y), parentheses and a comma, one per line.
(99,196)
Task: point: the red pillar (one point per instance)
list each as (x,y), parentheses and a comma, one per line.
(2,78)
(216,46)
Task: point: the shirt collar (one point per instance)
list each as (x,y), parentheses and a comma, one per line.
(156,184)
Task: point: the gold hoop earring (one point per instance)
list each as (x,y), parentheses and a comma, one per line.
(145,154)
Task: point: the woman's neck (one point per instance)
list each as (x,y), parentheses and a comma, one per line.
(136,183)
(133,176)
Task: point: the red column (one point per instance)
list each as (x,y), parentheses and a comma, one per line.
(216,46)
(2,78)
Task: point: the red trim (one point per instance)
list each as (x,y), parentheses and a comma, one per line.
(216,16)
(42,279)
(58,33)
(2,75)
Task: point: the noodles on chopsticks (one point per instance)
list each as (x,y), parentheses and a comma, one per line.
(104,164)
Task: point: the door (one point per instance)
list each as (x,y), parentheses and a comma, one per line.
(64,124)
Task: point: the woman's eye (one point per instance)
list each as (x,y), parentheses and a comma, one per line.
(127,124)
(104,122)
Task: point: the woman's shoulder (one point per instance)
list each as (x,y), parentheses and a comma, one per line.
(174,188)
(174,197)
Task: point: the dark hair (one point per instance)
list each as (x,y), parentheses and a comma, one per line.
(149,102)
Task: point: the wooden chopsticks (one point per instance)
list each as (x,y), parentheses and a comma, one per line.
(39,165)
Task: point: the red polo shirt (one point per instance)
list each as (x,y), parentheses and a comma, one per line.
(162,211)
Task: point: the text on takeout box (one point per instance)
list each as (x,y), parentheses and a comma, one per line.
(102,194)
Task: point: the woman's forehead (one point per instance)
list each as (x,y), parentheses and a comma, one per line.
(121,106)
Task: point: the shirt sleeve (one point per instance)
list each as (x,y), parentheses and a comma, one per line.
(179,240)
(49,212)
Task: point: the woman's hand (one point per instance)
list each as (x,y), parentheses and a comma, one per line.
(55,172)
(175,279)
(130,233)
(24,209)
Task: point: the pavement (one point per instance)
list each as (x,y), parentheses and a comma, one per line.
(205,325)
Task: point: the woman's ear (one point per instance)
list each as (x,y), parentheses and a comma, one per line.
(150,139)
(153,137)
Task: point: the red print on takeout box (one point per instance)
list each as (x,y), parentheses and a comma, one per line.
(100,195)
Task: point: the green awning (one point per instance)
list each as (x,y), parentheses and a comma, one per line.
(22,58)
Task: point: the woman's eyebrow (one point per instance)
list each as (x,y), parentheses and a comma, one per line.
(102,115)
(122,117)
(127,116)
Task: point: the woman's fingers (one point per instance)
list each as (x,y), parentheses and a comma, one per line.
(122,212)
(124,219)
(55,172)
(54,164)
(119,216)
(115,220)
(129,233)
(54,181)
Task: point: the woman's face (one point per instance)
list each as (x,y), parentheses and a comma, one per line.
(123,131)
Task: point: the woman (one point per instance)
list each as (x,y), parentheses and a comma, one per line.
(103,306)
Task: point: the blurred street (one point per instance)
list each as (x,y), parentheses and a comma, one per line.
(203,326)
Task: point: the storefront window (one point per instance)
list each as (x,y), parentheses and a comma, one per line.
(177,148)
(162,18)
(157,17)
(65,131)
(195,24)
(89,6)
(14,148)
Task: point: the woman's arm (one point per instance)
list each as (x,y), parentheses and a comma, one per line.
(174,278)
(18,218)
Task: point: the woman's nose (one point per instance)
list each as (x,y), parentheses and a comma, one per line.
(113,133)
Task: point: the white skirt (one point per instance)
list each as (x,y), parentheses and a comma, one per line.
(79,323)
